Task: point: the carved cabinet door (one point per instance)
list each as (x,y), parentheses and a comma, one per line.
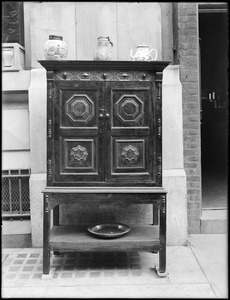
(78,132)
(130,133)
(105,133)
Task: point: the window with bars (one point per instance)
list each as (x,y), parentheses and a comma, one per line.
(15,194)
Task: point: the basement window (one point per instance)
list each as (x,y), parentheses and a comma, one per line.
(15,194)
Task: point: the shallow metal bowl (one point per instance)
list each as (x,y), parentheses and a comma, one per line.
(109,231)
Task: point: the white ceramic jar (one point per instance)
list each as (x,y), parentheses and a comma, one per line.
(55,48)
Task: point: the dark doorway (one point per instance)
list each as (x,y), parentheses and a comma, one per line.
(214,46)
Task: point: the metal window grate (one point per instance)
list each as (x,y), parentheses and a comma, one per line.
(15,193)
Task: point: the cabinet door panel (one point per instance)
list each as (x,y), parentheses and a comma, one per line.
(77,132)
(130,133)
(78,155)
(129,155)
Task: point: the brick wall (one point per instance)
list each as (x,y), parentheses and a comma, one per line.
(189,76)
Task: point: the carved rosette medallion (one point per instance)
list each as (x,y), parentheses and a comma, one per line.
(130,153)
(79,153)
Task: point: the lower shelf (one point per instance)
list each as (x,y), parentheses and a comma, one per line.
(77,238)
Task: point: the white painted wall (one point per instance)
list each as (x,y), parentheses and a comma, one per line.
(81,23)
(15,121)
(15,126)
(127,25)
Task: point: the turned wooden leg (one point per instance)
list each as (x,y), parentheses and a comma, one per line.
(56,222)
(162,252)
(46,235)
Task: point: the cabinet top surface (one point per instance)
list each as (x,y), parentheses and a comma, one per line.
(56,65)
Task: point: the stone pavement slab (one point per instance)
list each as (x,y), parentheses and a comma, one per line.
(113,291)
(211,252)
(104,275)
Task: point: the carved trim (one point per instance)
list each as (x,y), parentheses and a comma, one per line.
(102,76)
(159,169)
(46,203)
(49,128)
(158,91)
(50,90)
(50,84)
(163,204)
(159,127)
(49,169)
(159,76)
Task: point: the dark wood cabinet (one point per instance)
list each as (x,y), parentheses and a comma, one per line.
(104,145)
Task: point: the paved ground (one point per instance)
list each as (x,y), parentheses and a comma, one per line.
(195,271)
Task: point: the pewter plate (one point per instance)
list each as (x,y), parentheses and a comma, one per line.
(109,231)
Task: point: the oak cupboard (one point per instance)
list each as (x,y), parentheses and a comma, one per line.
(104,145)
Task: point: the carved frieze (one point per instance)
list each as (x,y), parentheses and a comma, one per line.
(102,76)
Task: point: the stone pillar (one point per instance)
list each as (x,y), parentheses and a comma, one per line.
(174,177)
(37,111)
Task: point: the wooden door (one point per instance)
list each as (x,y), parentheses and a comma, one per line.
(78,132)
(130,133)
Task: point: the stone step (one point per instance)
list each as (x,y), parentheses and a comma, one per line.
(214,221)
(16,234)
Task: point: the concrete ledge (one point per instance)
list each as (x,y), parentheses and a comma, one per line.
(16,81)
